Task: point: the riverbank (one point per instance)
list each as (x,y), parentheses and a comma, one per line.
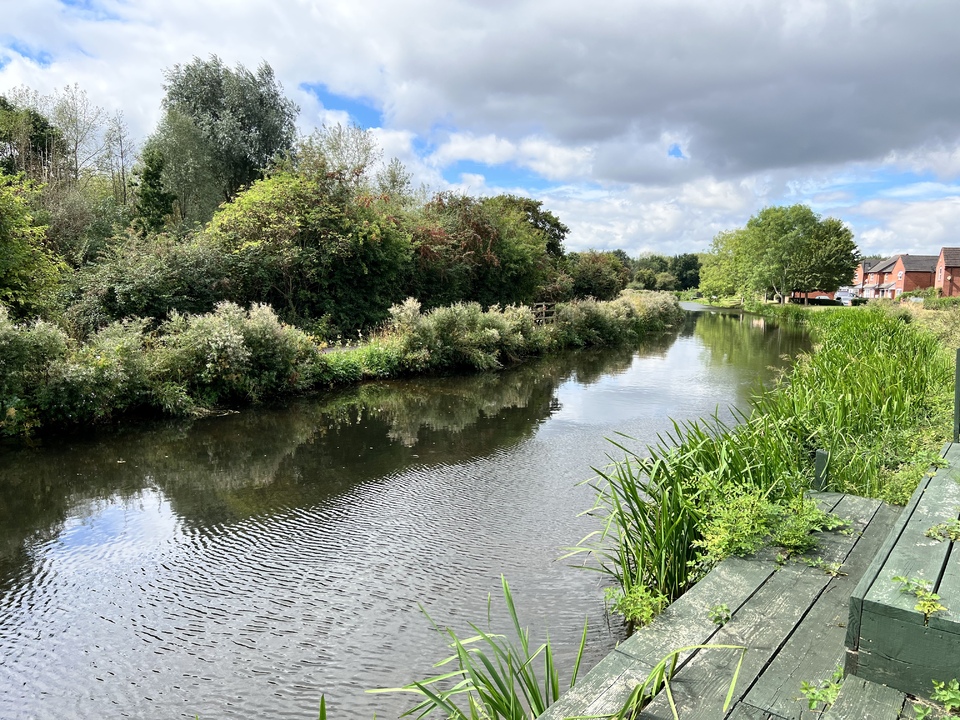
(193,364)
(874,395)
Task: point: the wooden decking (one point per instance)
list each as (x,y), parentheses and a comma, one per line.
(791,618)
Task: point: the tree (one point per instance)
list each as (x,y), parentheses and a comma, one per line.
(540,219)
(686,269)
(29,143)
(596,274)
(153,203)
(27,269)
(312,257)
(243,117)
(82,126)
(783,249)
(189,171)
(797,251)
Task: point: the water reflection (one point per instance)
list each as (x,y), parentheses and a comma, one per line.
(244,564)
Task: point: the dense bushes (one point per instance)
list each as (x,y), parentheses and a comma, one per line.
(194,362)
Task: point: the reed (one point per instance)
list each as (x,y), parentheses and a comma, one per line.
(493,675)
(875,394)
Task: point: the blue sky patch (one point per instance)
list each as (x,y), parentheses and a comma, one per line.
(362,111)
(506,175)
(36,55)
(676,152)
(89,9)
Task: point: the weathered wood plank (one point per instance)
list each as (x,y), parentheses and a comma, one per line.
(863,700)
(745,711)
(816,646)
(949,591)
(762,626)
(685,622)
(875,567)
(906,656)
(915,555)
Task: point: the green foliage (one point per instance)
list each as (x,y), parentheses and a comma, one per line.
(783,249)
(639,606)
(824,692)
(108,375)
(147,277)
(491,251)
(292,245)
(947,694)
(945,531)
(921,712)
(25,352)
(242,118)
(719,614)
(153,204)
(598,275)
(928,602)
(231,355)
(28,271)
(796,521)
(708,490)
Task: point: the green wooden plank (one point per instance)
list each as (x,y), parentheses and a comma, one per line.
(949,591)
(915,555)
(876,566)
(863,700)
(906,656)
(816,646)
(685,622)
(762,626)
(743,711)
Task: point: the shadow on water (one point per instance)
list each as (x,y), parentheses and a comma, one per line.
(244,564)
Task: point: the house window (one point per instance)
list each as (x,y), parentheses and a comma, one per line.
(900,275)
(939,273)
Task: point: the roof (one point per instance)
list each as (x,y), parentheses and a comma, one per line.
(919,263)
(951,257)
(884,265)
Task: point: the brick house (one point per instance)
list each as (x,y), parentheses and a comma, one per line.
(947,277)
(894,276)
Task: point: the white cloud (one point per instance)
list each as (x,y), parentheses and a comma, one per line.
(769,101)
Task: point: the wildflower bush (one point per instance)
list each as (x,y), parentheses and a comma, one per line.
(192,363)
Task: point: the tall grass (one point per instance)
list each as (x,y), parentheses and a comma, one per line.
(875,393)
(494,676)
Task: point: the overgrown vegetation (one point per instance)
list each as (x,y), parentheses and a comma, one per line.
(873,394)
(192,363)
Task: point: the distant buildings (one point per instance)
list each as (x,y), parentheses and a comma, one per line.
(900,274)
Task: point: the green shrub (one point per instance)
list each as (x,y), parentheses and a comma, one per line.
(230,355)
(109,374)
(25,352)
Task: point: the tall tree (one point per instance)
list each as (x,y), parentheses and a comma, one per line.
(243,117)
(153,203)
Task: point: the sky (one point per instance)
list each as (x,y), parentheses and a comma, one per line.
(645,125)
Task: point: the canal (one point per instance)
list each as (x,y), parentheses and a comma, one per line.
(239,566)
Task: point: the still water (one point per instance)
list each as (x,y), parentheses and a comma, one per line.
(240,566)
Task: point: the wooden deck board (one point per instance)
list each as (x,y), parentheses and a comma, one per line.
(817,644)
(863,700)
(791,618)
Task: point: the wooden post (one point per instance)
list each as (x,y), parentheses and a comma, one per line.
(820,469)
(956,399)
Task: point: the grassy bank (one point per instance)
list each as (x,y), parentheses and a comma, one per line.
(875,393)
(193,364)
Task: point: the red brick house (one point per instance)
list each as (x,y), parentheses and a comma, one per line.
(912,272)
(899,274)
(947,277)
